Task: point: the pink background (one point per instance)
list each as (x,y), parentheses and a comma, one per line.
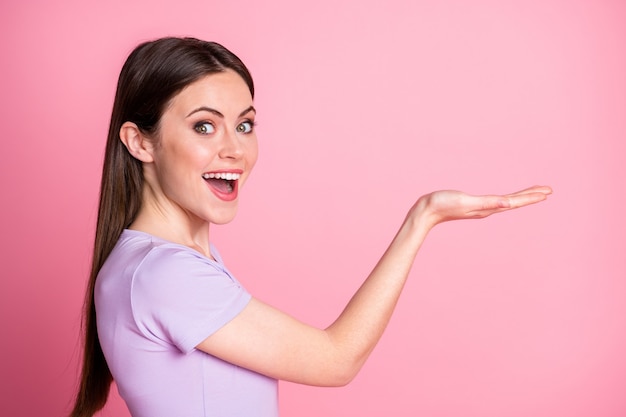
(363,106)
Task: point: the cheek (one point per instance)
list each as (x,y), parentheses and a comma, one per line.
(252,153)
(179,161)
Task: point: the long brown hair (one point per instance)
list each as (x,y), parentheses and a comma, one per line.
(151,76)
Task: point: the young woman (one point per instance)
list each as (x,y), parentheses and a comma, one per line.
(163,316)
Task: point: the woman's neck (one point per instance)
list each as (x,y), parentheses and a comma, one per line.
(174,226)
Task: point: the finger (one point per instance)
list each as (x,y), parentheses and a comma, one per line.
(525,199)
(544,189)
(503,201)
(489,204)
(494,204)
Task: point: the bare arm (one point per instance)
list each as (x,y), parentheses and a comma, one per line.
(270,342)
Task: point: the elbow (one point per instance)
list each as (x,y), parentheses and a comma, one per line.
(341,363)
(343,380)
(344,373)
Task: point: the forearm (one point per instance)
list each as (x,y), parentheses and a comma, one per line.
(361,324)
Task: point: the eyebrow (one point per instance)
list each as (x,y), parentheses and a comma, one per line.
(219,114)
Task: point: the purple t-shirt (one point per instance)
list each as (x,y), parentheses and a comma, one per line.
(156,301)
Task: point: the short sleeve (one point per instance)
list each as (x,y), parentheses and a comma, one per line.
(181,298)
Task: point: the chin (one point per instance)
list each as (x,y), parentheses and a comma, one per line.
(223,217)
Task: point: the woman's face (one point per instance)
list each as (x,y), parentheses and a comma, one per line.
(206,148)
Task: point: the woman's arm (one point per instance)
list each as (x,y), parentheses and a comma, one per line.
(270,342)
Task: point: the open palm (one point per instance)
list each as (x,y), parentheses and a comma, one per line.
(446,205)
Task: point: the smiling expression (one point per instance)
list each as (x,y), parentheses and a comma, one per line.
(205,150)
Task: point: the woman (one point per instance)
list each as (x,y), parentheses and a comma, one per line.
(164,317)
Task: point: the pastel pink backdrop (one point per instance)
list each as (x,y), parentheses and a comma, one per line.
(363,106)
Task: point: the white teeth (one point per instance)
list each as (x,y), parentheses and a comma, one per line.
(231,176)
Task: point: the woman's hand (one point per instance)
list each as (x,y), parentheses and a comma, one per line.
(442,206)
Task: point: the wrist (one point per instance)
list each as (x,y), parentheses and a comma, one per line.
(421,219)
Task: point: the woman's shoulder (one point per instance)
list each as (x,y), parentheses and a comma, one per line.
(165,268)
(138,254)
(160,252)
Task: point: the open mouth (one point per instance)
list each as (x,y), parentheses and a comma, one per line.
(224,182)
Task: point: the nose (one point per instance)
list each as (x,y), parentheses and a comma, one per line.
(232,148)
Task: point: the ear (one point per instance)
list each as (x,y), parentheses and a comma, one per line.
(137,144)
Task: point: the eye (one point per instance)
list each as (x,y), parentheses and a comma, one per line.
(245,127)
(204,128)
